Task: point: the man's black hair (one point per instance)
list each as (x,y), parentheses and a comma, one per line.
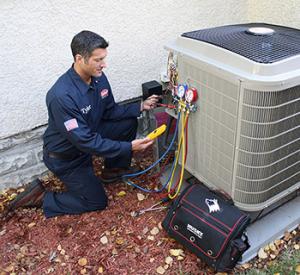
(85,42)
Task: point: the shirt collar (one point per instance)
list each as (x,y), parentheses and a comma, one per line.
(81,85)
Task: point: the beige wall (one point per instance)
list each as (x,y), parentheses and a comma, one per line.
(35,38)
(277,12)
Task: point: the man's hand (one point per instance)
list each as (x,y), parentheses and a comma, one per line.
(150,103)
(141,144)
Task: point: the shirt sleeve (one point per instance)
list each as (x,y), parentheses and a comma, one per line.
(72,126)
(115,111)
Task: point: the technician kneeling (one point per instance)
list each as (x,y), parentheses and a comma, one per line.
(85,120)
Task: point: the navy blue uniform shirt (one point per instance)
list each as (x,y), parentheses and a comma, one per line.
(76,110)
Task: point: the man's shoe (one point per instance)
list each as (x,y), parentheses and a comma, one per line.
(109,175)
(32,196)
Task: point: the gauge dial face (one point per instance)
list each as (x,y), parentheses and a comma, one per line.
(191,95)
(181,90)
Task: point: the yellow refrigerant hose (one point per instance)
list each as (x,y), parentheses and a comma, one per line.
(181,144)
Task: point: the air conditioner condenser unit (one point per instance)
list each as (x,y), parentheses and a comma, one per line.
(245,136)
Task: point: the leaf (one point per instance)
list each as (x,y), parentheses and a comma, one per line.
(140,196)
(168,260)
(83,271)
(121,194)
(277,242)
(160,226)
(9,268)
(137,250)
(272,247)
(133,214)
(52,256)
(287,236)
(176,252)
(23,249)
(12,196)
(82,261)
(160,270)
(104,240)
(151,238)
(145,230)
(32,224)
(154,231)
(262,254)
(114,251)
(119,241)
(246,265)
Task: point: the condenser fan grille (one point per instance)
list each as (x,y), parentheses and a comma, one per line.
(247,40)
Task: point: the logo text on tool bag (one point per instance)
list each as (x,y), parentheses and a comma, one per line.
(213,205)
(195,231)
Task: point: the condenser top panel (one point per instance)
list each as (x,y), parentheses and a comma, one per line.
(260,42)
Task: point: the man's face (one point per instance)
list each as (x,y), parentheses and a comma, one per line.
(93,65)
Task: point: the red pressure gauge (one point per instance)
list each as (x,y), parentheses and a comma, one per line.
(191,95)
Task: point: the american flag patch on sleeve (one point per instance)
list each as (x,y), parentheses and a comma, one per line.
(71,124)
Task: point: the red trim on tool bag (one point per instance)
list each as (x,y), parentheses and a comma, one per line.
(231,229)
(212,217)
(199,248)
(210,225)
(224,234)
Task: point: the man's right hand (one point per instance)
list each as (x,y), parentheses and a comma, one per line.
(141,144)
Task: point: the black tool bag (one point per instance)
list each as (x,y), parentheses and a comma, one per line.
(209,225)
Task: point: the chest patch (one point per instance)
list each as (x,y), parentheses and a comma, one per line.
(104,93)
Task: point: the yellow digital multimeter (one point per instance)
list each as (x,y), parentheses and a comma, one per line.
(157,132)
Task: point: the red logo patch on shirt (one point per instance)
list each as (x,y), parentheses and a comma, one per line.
(104,93)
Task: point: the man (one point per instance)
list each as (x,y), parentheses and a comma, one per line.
(85,120)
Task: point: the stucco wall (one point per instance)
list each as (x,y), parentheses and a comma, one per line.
(277,12)
(35,37)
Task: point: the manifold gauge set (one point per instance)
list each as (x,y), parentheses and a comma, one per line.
(185,96)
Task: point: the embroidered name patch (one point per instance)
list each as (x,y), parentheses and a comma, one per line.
(104,93)
(71,124)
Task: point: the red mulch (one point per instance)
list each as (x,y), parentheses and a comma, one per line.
(71,244)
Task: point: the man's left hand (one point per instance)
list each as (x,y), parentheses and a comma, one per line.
(150,103)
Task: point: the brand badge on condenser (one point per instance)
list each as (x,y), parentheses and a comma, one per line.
(104,93)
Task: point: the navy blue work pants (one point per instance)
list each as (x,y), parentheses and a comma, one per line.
(85,192)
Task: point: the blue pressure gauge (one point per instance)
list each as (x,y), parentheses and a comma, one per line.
(181,90)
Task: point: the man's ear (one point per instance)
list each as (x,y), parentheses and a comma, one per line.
(78,58)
